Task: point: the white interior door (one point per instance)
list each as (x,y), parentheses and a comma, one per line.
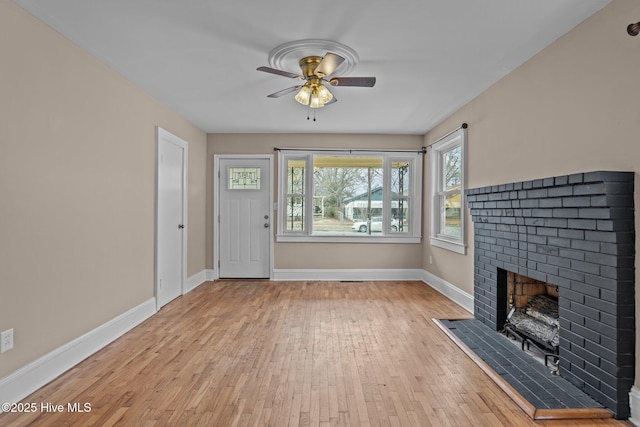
(244,217)
(170,217)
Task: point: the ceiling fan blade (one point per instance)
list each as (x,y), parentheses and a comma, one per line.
(353,81)
(280,72)
(284,92)
(328,65)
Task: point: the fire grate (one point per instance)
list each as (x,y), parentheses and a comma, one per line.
(537,324)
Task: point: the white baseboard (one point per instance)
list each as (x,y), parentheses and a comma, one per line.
(452,292)
(347,274)
(634,403)
(36,374)
(198,279)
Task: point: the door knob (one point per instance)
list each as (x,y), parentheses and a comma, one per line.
(266,225)
(266,217)
(180,226)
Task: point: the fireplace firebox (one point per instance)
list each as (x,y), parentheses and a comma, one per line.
(533,313)
(575,232)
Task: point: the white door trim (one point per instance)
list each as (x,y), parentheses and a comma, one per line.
(162,134)
(216,207)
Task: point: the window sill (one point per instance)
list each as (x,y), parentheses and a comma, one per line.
(457,247)
(349,239)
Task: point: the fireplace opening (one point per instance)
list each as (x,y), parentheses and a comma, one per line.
(533,316)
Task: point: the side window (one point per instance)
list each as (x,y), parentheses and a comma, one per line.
(448,185)
(294,202)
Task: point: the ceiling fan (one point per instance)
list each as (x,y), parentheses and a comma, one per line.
(316,71)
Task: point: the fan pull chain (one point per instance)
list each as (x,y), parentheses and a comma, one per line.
(309,114)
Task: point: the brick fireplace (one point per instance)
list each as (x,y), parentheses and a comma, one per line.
(575,232)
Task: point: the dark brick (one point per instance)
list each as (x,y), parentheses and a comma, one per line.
(550,203)
(538,275)
(560,191)
(571,274)
(615,225)
(585,267)
(548,250)
(538,240)
(600,282)
(586,289)
(571,254)
(546,231)
(571,234)
(587,312)
(618,188)
(613,176)
(601,305)
(529,203)
(621,201)
(565,213)
(588,189)
(594,213)
(601,351)
(587,333)
(583,224)
(573,338)
(559,261)
(556,241)
(573,296)
(585,245)
(556,222)
(576,178)
(602,259)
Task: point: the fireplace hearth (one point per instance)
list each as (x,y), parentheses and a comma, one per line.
(575,232)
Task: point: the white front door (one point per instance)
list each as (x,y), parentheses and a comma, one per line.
(244,186)
(170,217)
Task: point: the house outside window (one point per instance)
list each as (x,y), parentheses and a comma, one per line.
(349,197)
(447,160)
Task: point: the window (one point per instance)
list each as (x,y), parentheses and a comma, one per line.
(339,196)
(447,177)
(244,178)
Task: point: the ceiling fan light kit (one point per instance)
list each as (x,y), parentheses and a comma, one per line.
(316,71)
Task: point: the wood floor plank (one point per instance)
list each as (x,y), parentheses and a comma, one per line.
(256,353)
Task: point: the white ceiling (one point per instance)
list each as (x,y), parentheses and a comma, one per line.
(199,57)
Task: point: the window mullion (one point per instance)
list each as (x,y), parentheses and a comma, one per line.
(308,199)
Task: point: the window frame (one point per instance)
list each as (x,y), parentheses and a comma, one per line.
(447,143)
(413,235)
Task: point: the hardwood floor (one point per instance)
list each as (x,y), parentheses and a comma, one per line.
(262,353)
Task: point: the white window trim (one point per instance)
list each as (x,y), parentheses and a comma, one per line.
(452,140)
(413,236)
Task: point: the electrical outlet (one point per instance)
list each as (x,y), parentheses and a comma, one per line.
(6,340)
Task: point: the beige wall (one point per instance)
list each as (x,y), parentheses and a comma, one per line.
(77,185)
(572,108)
(314,255)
